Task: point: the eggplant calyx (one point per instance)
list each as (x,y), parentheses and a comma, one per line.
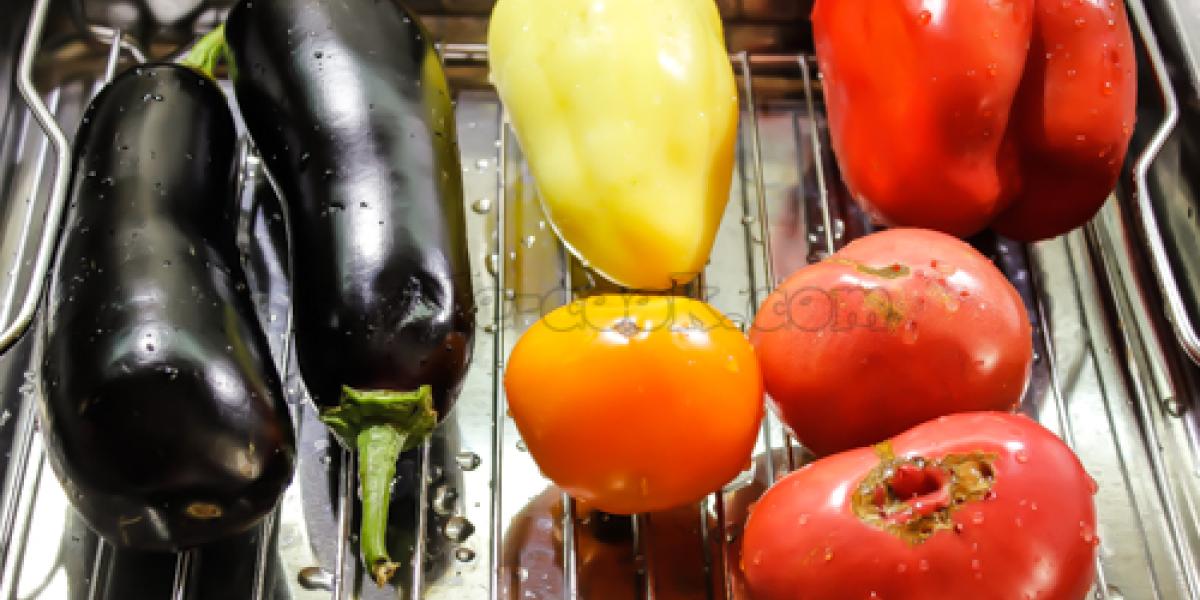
(380,424)
(207,53)
(913,498)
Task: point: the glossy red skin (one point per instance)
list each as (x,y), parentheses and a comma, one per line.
(1034,539)
(918,108)
(948,115)
(961,340)
(1073,116)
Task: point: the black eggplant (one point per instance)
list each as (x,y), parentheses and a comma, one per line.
(162,410)
(349,106)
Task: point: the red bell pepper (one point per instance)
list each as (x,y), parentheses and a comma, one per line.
(957,115)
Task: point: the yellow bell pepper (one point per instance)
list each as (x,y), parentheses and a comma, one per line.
(626,111)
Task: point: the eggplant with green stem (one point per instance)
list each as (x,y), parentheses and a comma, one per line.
(350,109)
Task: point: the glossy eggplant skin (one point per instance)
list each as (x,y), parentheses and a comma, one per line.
(162,410)
(350,109)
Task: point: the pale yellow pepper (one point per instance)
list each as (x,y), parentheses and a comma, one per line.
(627,113)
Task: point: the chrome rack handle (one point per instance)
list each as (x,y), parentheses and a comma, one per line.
(1177,314)
(58,191)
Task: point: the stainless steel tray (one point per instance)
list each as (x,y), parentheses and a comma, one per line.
(482,522)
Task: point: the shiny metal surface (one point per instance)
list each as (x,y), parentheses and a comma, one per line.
(476,516)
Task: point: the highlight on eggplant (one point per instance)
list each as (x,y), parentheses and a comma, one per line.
(349,106)
(163,414)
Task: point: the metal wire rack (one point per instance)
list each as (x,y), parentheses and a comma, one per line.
(1147,504)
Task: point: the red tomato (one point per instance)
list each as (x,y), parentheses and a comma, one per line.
(957,115)
(982,506)
(895,329)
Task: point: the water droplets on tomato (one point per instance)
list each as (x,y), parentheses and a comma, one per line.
(924,17)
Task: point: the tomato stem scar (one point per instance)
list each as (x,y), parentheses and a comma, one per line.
(914,497)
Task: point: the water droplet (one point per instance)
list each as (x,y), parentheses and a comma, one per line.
(523,574)
(315,578)
(319,55)
(1081,138)
(521,446)
(1107,88)
(481,164)
(923,565)
(748,220)
(468,461)
(1021,456)
(1080,22)
(1071,73)
(828,554)
(529,241)
(493,264)
(924,17)
(901,568)
(464,554)
(166,263)
(803,520)
(977,518)
(458,528)
(482,205)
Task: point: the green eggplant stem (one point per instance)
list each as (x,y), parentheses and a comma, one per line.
(207,53)
(380,424)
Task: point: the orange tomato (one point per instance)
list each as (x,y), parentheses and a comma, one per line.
(634,403)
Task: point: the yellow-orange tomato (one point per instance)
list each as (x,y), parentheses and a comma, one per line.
(636,404)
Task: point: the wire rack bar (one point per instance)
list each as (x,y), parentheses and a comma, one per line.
(495,542)
(418,555)
(58,190)
(643,563)
(183,573)
(1131,496)
(345,510)
(96,585)
(44,114)
(570,550)
(742,59)
(1060,404)
(1177,313)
